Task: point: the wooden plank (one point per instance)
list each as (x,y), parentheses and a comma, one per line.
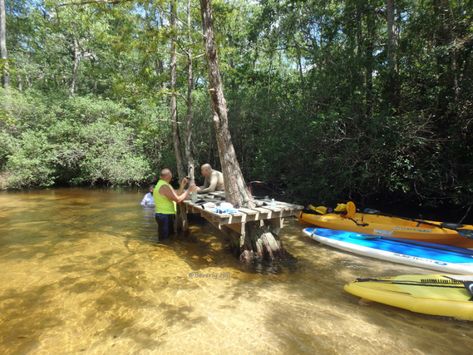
(278,205)
(262,213)
(237,227)
(244,214)
(274,209)
(235,236)
(221,218)
(275,224)
(248,211)
(217,193)
(270,213)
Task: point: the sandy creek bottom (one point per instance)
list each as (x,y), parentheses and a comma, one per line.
(80,272)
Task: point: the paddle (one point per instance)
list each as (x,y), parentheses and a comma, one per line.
(463,232)
(425,283)
(451,283)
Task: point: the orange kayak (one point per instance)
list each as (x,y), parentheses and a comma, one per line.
(395,227)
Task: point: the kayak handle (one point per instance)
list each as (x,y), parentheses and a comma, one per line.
(465,233)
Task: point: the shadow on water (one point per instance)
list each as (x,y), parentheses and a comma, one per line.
(205,247)
(24,317)
(315,284)
(181,315)
(320,283)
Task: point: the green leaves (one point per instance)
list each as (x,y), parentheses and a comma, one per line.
(32,162)
(313,103)
(87,140)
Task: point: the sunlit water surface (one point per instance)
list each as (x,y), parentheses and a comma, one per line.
(80,272)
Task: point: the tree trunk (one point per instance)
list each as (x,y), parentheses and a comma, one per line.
(443,37)
(190,87)
(391,83)
(259,241)
(159,64)
(299,62)
(3,46)
(75,67)
(390,30)
(175,129)
(370,29)
(236,190)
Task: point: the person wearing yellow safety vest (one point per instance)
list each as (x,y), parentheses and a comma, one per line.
(165,199)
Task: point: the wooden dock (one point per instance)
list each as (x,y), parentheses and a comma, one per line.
(267,216)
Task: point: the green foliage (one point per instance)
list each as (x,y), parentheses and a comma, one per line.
(314,104)
(316,108)
(87,141)
(110,155)
(7,147)
(32,162)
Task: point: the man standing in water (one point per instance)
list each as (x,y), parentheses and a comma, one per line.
(148,200)
(165,198)
(213,180)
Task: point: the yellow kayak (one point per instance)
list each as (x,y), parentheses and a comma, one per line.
(439,295)
(395,227)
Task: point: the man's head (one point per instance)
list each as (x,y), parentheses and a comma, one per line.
(166,175)
(206,170)
(151,188)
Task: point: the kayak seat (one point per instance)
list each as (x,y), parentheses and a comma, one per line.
(309,211)
(451,225)
(371,211)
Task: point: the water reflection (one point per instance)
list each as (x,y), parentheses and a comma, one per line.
(82,273)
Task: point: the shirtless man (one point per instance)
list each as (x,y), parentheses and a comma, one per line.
(213,180)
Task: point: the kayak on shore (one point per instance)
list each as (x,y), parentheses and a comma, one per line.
(390,226)
(444,258)
(440,295)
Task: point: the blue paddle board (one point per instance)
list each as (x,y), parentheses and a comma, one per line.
(421,254)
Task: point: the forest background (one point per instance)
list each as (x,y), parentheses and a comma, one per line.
(328,100)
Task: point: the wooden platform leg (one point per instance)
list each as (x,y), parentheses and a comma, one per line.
(181,223)
(275,225)
(236,232)
(185,221)
(261,241)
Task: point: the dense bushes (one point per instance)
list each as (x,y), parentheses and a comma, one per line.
(83,140)
(32,161)
(325,99)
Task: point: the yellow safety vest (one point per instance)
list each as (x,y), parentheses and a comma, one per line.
(163,204)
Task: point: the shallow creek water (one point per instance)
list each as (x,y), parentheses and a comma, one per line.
(80,272)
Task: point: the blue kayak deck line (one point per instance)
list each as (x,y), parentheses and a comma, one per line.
(401,246)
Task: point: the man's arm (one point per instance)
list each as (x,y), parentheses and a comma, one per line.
(200,189)
(171,194)
(182,184)
(206,183)
(212,184)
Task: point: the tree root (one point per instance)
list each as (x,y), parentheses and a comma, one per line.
(261,244)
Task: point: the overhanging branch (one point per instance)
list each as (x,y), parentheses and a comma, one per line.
(89,2)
